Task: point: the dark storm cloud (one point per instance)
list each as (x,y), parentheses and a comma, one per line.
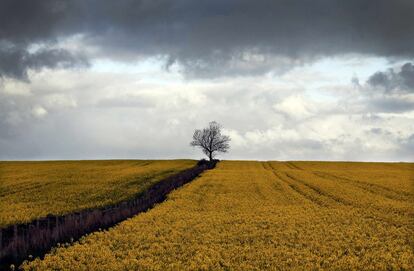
(14,62)
(391,80)
(27,23)
(24,21)
(210,38)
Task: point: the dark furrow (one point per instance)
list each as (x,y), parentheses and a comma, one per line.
(278,184)
(319,191)
(17,189)
(297,190)
(313,188)
(266,165)
(376,212)
(307,196)
(293,166)
(382,210)
(373,188)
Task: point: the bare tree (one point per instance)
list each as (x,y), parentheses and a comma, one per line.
(210,140)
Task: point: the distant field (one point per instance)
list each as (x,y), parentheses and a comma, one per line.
(264,215)
(30,190)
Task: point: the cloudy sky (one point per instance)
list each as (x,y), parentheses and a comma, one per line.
(287,79)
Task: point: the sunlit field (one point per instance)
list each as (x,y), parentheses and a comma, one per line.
(262,215)
(31,190)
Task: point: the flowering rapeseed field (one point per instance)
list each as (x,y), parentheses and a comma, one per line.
(263,216)
(30,190)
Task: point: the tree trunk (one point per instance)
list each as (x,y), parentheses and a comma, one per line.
(210,156)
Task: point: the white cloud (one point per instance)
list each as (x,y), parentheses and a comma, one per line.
(14,87)
(60,100)
(301,115)
(296,106)
(39,111)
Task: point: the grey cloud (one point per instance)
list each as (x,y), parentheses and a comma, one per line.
(23,21)
(377,131)
(15,62)
(407,75)
(14,113)
(127,101)
(406,146)
(390,104)
(391,80)
(382,79)
(388,91)
(376,104)
(27,23)
(215,38)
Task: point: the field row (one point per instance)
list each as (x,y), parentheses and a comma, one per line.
(263,215)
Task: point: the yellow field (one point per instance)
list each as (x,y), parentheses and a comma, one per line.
(30,190)
(264,215)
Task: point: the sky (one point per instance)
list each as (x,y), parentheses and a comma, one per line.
(286,79)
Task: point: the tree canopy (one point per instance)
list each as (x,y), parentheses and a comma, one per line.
(210,140)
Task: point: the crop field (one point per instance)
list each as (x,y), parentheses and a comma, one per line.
(263,215)
(30,190)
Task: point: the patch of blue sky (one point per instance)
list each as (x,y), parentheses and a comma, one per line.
(151,69)
(344,68)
